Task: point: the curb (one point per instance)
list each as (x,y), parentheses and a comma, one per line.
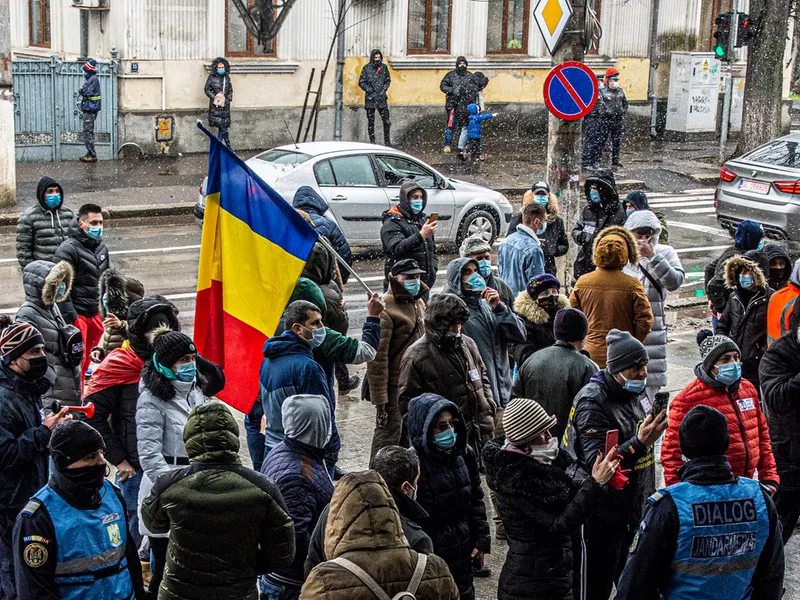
(711,179)
(125,212)
(623,185)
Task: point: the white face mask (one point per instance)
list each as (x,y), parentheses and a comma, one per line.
(546,453)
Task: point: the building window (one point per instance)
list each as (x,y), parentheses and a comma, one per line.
(429,26)
(507,30)
(39,22)
(238,41)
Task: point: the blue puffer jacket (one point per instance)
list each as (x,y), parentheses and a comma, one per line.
(90,94)
(449,490)
(23,444)
(308,200)
(475,120)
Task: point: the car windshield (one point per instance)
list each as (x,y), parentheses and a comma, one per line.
(781,153)
(283,157)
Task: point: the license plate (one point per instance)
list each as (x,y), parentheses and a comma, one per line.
(759,187)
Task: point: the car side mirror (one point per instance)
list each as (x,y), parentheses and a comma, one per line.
(441,184)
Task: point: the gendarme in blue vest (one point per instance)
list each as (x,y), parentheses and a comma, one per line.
(90,547)
(723,529)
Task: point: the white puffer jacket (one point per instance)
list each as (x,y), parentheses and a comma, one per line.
(665,267)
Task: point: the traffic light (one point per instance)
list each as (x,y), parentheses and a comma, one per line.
(746,30)
(723,37)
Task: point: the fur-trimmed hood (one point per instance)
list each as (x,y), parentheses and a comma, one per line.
(527,308)
(41,280)
(551,208)
(736,265)
(614,247)
(119,292)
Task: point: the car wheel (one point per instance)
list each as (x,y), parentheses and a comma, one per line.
(478,222)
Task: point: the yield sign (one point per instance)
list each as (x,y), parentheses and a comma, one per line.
(552,17)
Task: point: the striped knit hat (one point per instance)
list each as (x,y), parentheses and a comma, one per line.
(524,420)
(90,66)
(16,339)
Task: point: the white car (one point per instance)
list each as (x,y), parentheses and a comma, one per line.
(361,181)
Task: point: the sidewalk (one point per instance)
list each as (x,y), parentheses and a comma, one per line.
(134,187)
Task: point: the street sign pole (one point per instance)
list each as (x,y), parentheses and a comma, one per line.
(726,102)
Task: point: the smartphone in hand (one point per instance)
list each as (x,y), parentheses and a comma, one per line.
(659,403)
(434,217)
(612,439)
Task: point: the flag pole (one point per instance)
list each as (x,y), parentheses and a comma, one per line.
(322,240)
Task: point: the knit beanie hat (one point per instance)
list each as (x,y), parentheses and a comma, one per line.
(72,440)
(90,66)
(169,346)
(638,199)
(474,244)
(712,347)
(704,432)
(570,325)
(17,338)
(524,420)
(748,235)
(623,351)
(540,283)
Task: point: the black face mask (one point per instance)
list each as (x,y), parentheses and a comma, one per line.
(451,341)
(37,368)
(548,304)
(777,274)
(90,477)
(461,69)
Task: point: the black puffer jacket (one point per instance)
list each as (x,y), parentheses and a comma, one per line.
(779,374)
(41,280)
(449,490)
(219,116)
(40,229)
(452,82)
(596,217)
(538,325)
(468,94)
(602,405)
(542,510)
(375,81)
(308,200)
(401,238)
(89,258)
(744,319)
(23,444)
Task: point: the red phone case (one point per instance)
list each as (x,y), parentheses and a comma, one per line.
(612,439)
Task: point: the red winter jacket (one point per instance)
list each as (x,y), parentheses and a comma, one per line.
(750,446)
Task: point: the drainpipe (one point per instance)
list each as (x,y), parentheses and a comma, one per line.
(84,35)
(651,82)
(337,97)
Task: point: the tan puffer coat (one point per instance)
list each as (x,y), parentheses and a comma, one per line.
(364,528)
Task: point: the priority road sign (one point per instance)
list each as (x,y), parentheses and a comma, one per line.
(570,90)
(552,17)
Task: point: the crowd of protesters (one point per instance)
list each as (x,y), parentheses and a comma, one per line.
(547,391)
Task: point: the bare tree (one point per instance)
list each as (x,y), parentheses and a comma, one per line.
(264,19)
(763,90)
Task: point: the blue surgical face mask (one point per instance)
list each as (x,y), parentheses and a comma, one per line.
(104,300)
(542,229)
(729,373)
(317,336)
(95,232)
(629,211)
(186,372)
(220,71)
(760,245)
(594,196)
(445,439)
(476,282)
(541,199)
(485,267)
(62,289)
(416,206)
(746,281)
(412,286)
(635,386)
(52,200)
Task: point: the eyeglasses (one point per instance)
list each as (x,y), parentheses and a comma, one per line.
(445,425)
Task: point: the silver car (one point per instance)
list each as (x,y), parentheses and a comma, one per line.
(361,181)
(764,186)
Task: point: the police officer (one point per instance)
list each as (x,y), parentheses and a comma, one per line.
(90,106)
(712,536)
(72,540)
(615,107)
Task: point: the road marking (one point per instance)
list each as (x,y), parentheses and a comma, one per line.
(697,211)
(699,249)
(679,199)
(700,228)
(697,203)
(136,251)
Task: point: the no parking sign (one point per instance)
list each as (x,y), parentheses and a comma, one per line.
(570,91)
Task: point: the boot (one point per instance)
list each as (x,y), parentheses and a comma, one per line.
(347,383)
(88,158)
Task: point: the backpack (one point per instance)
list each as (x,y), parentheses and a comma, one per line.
(70,341)
(408,594)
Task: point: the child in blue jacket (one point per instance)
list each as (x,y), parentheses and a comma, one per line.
(474,130)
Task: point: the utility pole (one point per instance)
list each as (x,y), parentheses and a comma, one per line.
(565,138)
(338,93)
(651,80)
(8,173)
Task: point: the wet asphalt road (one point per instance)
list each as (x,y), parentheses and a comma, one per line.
(163,254)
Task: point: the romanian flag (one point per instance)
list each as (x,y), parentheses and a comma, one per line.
(253,250)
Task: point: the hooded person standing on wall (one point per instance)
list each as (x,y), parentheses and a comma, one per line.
(406,233)
(43,226)
(451,86)
(220,95)
(375,81)
(90,106)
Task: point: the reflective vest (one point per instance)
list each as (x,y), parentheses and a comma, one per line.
(723,529)
(779,311)
(90,547)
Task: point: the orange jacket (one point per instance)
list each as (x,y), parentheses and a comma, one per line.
(750,447)
(780,309)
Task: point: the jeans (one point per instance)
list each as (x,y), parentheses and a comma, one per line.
(224,136)
(7,586)
(130,493)
(384,112)
(88,139)
(276,591)
(462,138)
(255,439)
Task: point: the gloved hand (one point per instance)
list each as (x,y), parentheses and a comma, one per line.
(618,479)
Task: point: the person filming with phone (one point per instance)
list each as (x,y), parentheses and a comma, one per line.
(612,401)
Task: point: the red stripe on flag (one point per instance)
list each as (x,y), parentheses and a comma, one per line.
(233,345)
